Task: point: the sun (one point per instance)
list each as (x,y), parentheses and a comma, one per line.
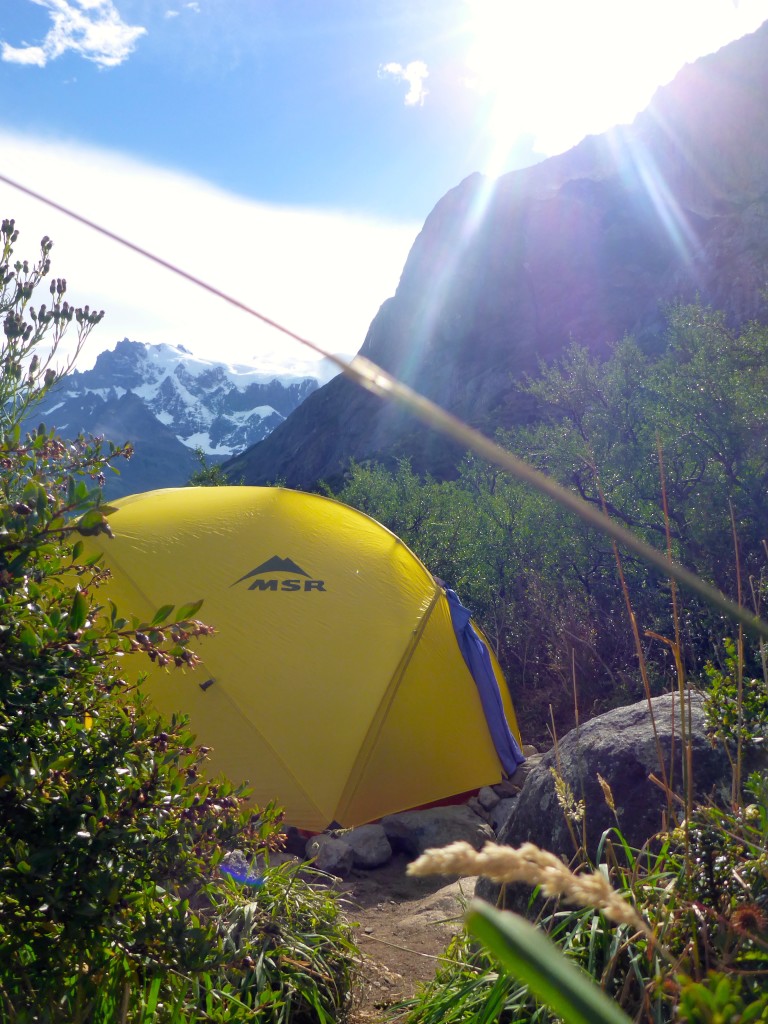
(558,70)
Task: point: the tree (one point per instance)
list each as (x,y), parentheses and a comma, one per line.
(620,431)
(207,475)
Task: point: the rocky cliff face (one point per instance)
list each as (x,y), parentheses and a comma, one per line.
(586,246)
(168,403)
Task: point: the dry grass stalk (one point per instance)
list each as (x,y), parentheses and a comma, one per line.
(535,867)
(642,665)
(573,809)
(607,792)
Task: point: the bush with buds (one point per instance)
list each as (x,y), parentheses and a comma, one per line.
(110,834)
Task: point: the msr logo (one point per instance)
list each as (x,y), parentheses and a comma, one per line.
(287,582)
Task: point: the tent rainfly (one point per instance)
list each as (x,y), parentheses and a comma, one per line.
(340,680)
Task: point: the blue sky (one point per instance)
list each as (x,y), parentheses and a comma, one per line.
(290,150)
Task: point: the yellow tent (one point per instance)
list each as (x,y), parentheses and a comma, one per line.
(335,683)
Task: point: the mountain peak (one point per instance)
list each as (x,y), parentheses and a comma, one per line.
(170,403)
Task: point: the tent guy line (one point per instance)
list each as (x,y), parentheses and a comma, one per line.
(371,377)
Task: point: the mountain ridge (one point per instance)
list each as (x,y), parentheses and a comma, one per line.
(586,246)
(169,404)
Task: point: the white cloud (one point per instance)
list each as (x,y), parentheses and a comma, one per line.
(192,6)
(91,28)
(34,55)
(322,274)
(414,74)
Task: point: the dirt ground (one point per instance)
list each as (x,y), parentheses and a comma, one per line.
(401,925)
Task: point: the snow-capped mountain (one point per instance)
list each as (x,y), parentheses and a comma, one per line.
(169,403)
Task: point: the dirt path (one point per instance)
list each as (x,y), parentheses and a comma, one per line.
(402,925)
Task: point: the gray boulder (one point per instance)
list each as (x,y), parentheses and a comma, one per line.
(488,798)
(621,747)
(331,855)
(369,844)
(502,812)
(416,831)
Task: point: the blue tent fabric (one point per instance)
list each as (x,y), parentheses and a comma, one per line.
(478,662)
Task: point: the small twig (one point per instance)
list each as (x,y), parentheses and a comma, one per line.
(736,790)
(416,952)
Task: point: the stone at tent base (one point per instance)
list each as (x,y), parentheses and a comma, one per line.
(513,785)
(369,845)
(487,798)
(501,813)
(412,832)
(331,855)
(295,840)
(621,747)
(474,805)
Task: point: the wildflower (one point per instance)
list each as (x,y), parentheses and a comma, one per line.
(748,919)
(534,866)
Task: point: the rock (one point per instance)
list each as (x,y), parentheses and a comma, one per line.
(249,872)
(487,798)
(416,831)
(442,909)
(501,813)
(477,808)
(369,844)
(513,785)
(331,855)
(237,866)
(279,857)
(620,746)
(295,840)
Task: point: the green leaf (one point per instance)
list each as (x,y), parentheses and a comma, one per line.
(529,955)
(91,522)
(78,613)
(755,1011)
(81,492)
(61,762)
(32,492)
(28,640)
(188,611)
(152,997)
(162,614)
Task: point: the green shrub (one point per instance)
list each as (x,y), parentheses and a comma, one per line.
(543,585)
(111,908)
